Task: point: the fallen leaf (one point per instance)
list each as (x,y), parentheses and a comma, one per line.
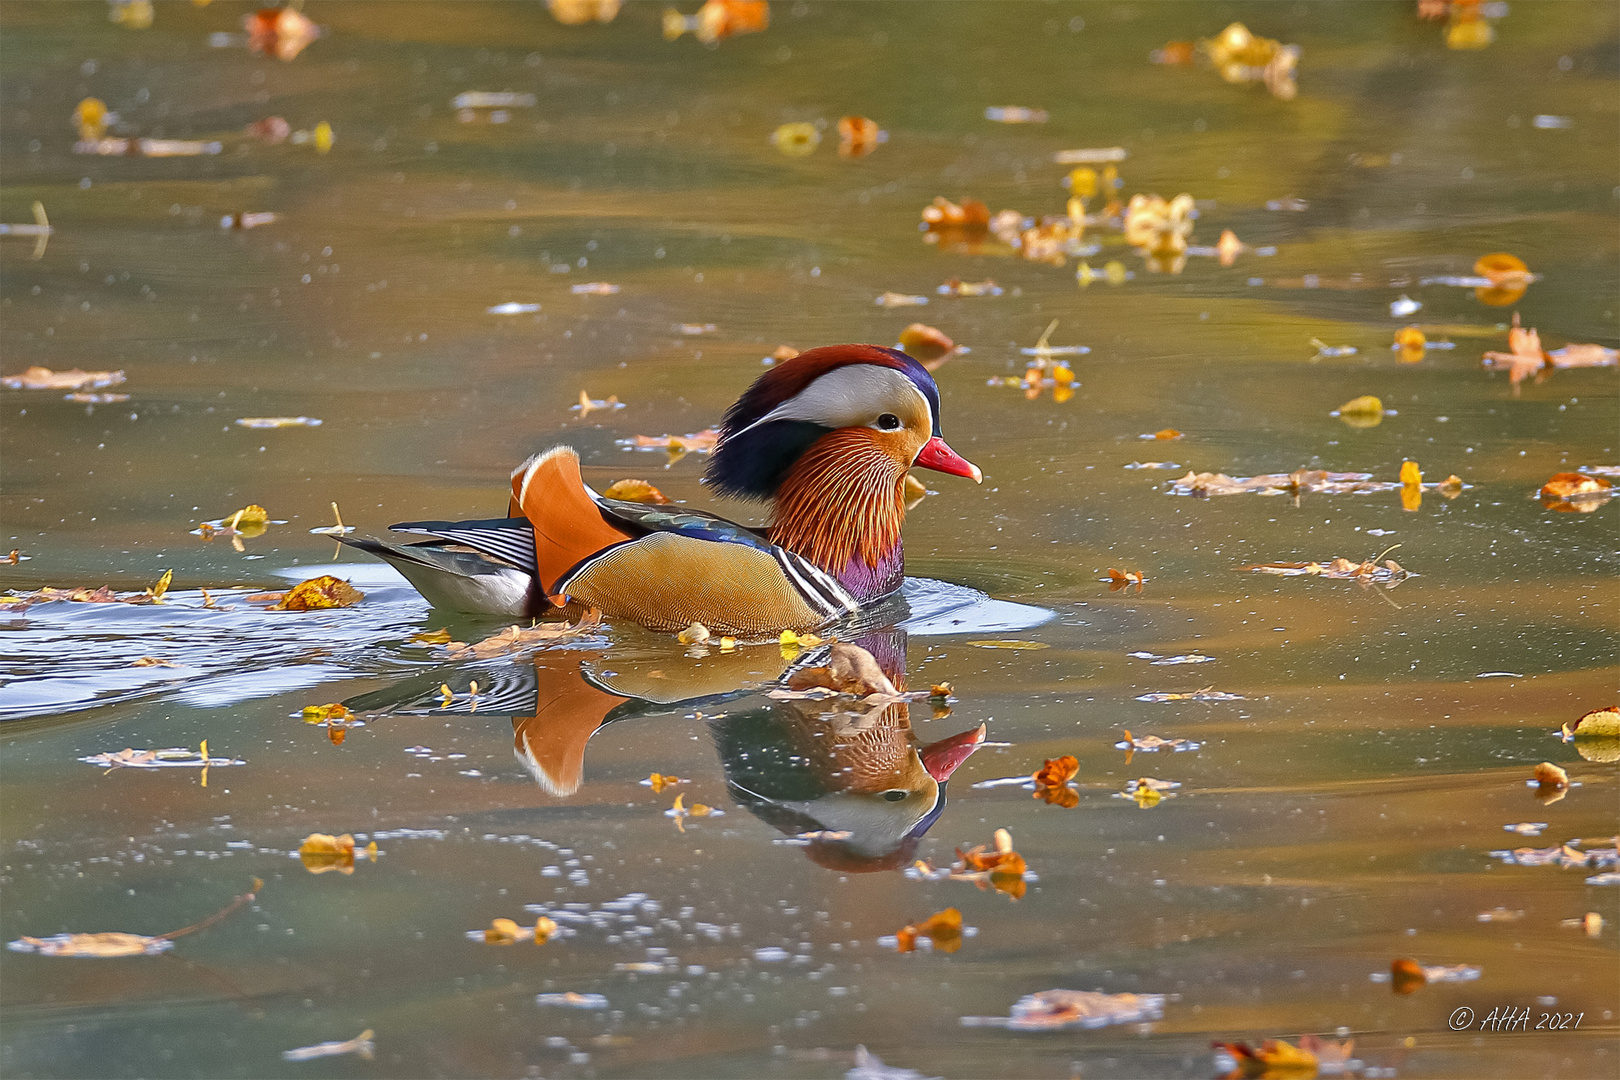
(796,139)
(1158,227)
(894,299)
(1387,573)
(1591,923)
(1574,356)
(1524,356)
(152,661)
(514,638)
(859,136)
(321,852)
(1500,914)
(277,421)
(317,593)
(943,930)
(1274,1058)
(178,757)
(1241,57)
(1299,482)
(658,782)
(1052,782)
(1001,868)
(1015,114)
(1174,52)
(321,714)
(588,404)
(1053,1009)
(432,637)
(507,932)
(594,288)
(1119,579)
(1361,412)
(969,215)
(680,812)
(1008,644)
(637,491)
(957,287)
(1507,278)
(1549,775)
(1568,487)
(120,944)
(717,20)
(42,378)
(361,1045)
(1229,247)
(1407,976)
(696,634)
(280,32)
(926,344)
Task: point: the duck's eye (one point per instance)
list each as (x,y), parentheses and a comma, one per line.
(888,421)
(895,794)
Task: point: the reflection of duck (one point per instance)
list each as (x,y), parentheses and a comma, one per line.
(827,437)
(847,780)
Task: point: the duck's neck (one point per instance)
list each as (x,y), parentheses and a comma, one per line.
(841,506)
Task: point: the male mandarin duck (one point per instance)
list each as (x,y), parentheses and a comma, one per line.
(827,437)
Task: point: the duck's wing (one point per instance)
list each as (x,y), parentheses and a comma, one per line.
(509,539)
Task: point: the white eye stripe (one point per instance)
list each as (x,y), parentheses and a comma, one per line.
(848,397)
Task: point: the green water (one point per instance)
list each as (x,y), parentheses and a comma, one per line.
(1340,814)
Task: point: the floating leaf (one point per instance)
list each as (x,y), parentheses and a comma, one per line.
(796,139)
(969,215)
(361,1045)
(717,20)
(658,781)
(1001,868)
(507,932)
(850,669)
(280,32)
(1388,573)
(1008,644)
(277,421)
(321,852)
(42,378)
(320,714)
(696,634)
(680,812)
(588,404)
(637,491)
(594,288)
(859,136)
(1364,411)
(514,638)
(1052,782)
(1054,1009)
(178,757)
(317,593)
(1578,356)
(1119,579)
(922,342)
(943,930)
(119,944)
(894,299)
(1524,357)
(1274,1058)
(958,287)
(1549,775)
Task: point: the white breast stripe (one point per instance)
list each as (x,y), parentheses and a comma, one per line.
(813,596)
(819,588)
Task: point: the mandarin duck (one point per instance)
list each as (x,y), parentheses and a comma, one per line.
(826,437)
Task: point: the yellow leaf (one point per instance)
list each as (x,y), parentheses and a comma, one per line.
(985,644)
(325,591)
(637,491)
(1411,475)
(433,637)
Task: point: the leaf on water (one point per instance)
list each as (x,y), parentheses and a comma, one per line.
(1119,579)
(1549,775)
(1008,644)
(43,378)
(152,661)
(1591,922)
(1500,914)
(1241,57)
(1052,782)
(1054,1009)
(578,12)
(594,288)
(958,287)
(321,714)
(102,945)
(1575,492)
(588,404)
(637,491)
(1159,228)
(1000,868)
(796,139)
(1206,694)
(1179,53)
(507,932)
(1152,743)
(894,299)
(696,634)
(318,593)
(680,812)
(282,32)
(1015,114)
(244,220)
(1361,412)
(361,1045)
(943,930)
(1273,1058)
(970,215)
(432,637)
(1407,976)
(1148,791)
(926,344)
(1387,573)
(658,781)
(717,20)
(1524,357)
(1299,482)
(514,638)
(1229,247)
(678,446)
(321,852)
(178,757)
(1573,356)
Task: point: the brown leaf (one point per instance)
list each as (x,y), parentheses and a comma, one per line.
(42,378)
(1549,775)
(513,638)
(282,32)
(926,344)
(1052,781)
(1119,579)
(1568,486)
(850,669)
(1274,1058)
(858,136)
(120,944)
(1406,976)
(1001,868)
(637,491)
(325,591)
(943,929)
(1573,356)
(971,214)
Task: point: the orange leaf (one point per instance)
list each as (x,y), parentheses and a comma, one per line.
(637,491)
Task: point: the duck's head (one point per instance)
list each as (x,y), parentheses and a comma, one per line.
(882,394)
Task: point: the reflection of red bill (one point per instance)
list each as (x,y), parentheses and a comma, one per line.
(942,758)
